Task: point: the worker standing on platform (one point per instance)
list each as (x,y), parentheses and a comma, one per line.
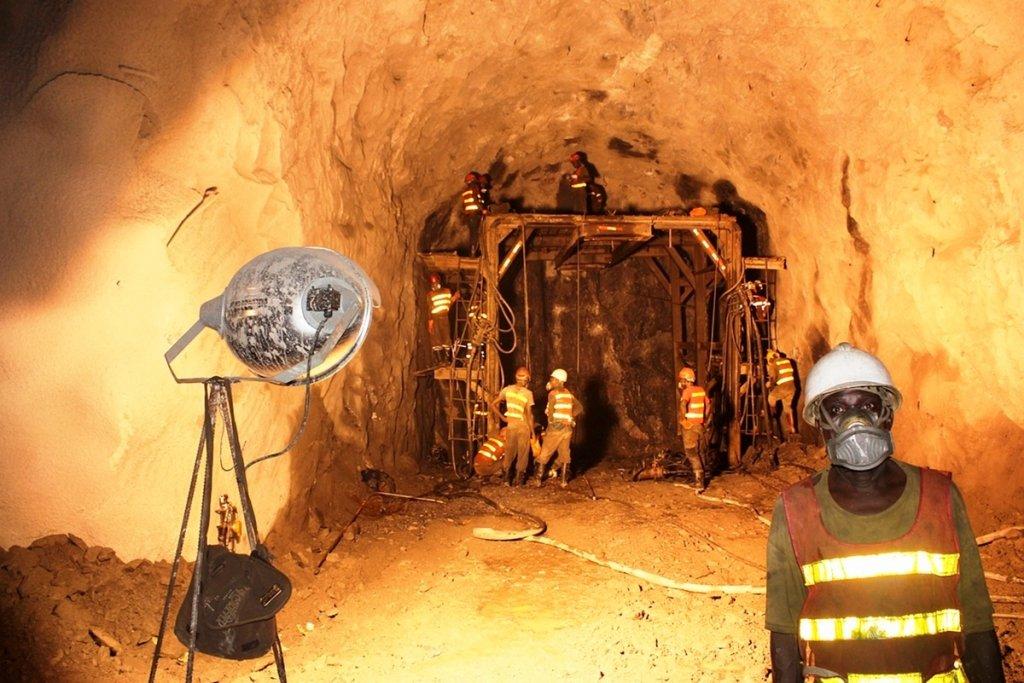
(474,206)
(519,416)
(760,305)
(781,389)
(562,410)
(439,302)
(873,569)
(580,180)
(692,419)
(472,195)
(485,191)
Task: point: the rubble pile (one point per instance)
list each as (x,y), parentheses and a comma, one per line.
(67,607)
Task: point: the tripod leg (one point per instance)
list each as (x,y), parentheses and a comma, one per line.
(204,524)
(227,407)
(282,675)
(177,559)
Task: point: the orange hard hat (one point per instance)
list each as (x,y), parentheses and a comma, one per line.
(434,279)
(472,176)
(688,374)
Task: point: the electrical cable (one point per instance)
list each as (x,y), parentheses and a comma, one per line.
(526,300)
(579,310)
(305,407)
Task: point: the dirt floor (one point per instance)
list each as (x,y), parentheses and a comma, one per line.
(413,596)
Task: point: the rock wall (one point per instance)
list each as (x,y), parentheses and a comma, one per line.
(876,145)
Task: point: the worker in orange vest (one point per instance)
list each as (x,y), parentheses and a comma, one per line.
(781,389)
(518,400)
(490,458)
(439,303)
(693,406)
(760,305)
(580,180)
(475,197)
(562,410)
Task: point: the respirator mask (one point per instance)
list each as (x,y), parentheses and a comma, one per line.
(858,441)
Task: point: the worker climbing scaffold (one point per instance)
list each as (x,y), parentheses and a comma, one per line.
(439,303)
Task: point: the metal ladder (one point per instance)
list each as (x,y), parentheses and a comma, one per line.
(467,397)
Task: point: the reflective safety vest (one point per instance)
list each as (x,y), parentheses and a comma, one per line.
(489,455)
(783,371)
(516,401)
(693,406)
(562,402)
(440,301)
(880,612)
(472,202)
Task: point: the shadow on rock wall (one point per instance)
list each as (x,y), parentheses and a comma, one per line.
(722,194)
(598,423)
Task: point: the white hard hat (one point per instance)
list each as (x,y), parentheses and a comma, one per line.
(560,374)
(845,367)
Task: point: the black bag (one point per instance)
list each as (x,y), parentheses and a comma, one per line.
(241,594)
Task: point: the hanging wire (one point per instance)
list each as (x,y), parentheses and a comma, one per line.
(714,313)
(579,309)
(526,299)
(305,405)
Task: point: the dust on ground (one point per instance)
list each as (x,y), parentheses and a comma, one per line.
(413,596)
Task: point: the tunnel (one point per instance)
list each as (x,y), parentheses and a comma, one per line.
(865,151)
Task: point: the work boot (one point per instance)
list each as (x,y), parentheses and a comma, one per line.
(540,476)
(521,479)
(565,475)
(700,482)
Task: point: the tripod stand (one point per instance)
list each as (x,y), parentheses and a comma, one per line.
(218,399)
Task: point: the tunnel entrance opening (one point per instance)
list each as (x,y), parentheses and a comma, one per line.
(719,324)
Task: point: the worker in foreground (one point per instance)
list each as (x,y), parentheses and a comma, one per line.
(439,327)
(781,389)
(692,418)
(518,414)
(562,410)
(873,571)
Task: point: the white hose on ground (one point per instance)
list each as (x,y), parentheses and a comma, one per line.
(533,536)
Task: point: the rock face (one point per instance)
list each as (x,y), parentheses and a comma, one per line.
(875,145)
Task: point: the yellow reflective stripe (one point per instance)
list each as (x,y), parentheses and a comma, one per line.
(879,628)
(955,676)
(515,406)
(574,186)
(883,564)
(563,407)
(695,407)
(490,449)
(440,302)
(784,369)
